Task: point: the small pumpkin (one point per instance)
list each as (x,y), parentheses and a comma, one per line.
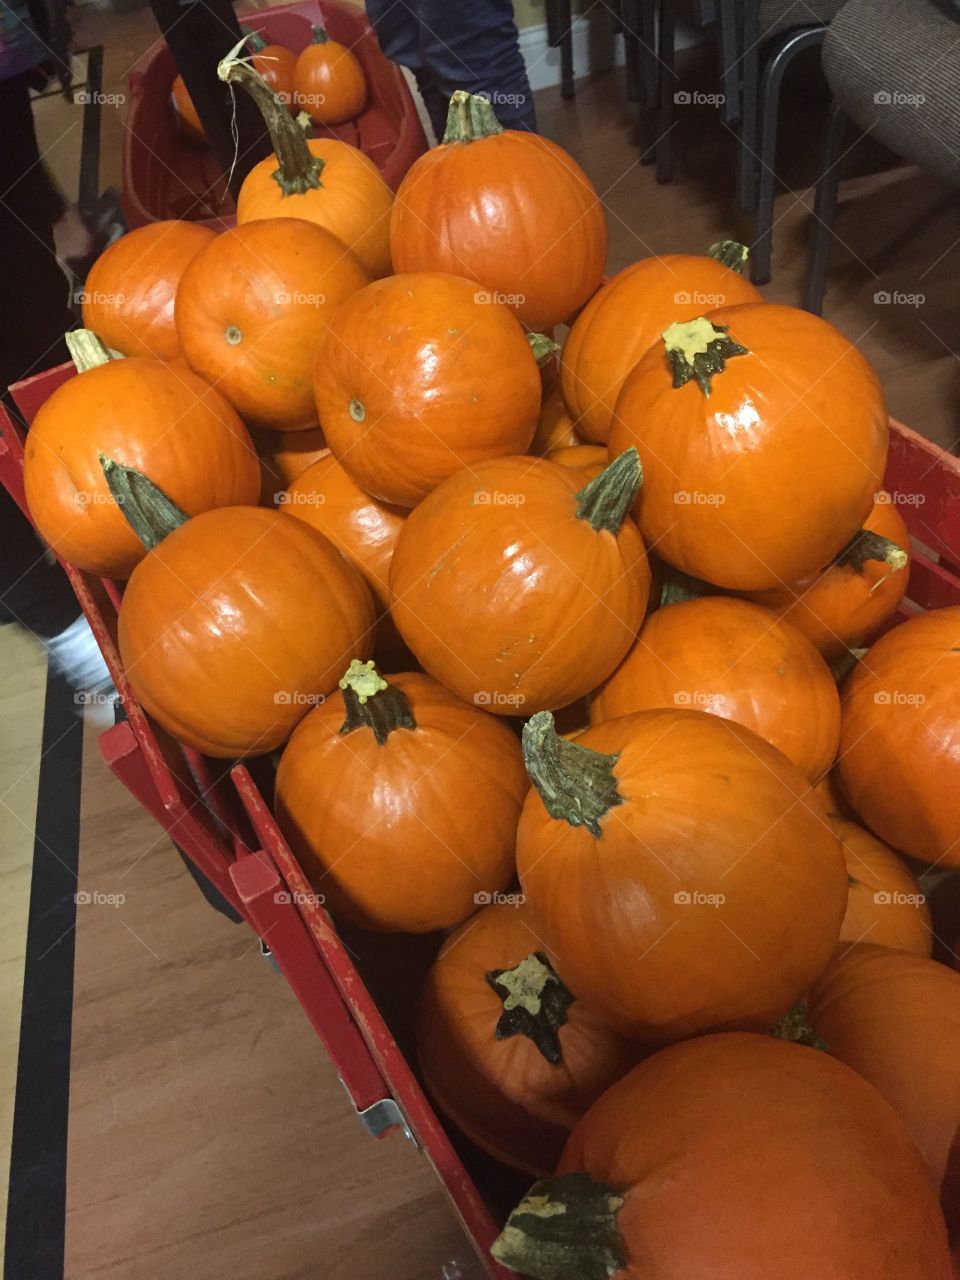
(663,855)
(329,83)
(763,437)
(627,316)
(320,179)
(415,380)
(845,604)
(555,429)
(185,112)
(521,585)
(885,905)
(506,208)
(591,459)
(900,737)
(130,415)
(236,623)
(735,1156)
(251,310)
(275,63)
(129,292)
(735,660)
(378,792)
(505,1049)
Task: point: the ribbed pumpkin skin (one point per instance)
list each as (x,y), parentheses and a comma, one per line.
(329,83)
(389,834)
(235,622)
(842,606)
(165,422)
(895,1018)
(512,211)
(708,809)
(747,1158)
(251,309)
(353,201)
(768,478)
(129,292)
(414,380)
(626,317)
(900,737)
(885,905)
(504,1094)
(509,598)
(735,660)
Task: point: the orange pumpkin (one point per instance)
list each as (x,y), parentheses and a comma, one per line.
(378,792)
(762,453)
(663,855)
(321,179)
(852,598)
(415,379)
(831,797)
(518,585)
(275,63)
(555,428)
(884,902)
(734,1156)
(140,415)
(289,453)
(251,309)
(588,458)
(508,209)
(627,316)
(505,1049)
(236,624)
(129,292)
(329,83)
(895,1018)
(900,737)
(735,660)
(186,113)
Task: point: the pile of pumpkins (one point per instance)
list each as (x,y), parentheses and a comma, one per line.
(550,646)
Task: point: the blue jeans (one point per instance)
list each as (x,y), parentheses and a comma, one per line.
(458,44)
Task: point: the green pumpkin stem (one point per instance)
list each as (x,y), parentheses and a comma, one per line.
(698,349)
(535,1004)
(574,783)
(564,1228)
(318,34)
(470,117)
(795,1027)
(542,347)
(867,545)
(605,501)
(731,254)
(372,703)
(299,170)
(147,509)
(680,586)
(87,351)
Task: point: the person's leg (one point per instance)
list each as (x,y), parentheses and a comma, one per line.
(397,29)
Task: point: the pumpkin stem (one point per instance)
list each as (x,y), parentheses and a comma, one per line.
(542,347)
(372,703)
(867,545)
(608,497)
(698,349)
(147,509)
(731,254)
(87,351)
(299,170)
(564,1228)
(795,1027)
(318,34)
(574,783)
(470,117)
(842,667)
(255,41)
(681,586)
(535,1004)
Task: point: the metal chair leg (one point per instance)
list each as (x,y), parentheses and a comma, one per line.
(668,80)
(630,26)
(749,70)
(649,80)
(824,209)
(729,52)
(789,46)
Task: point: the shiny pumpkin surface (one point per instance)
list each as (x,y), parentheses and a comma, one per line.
(165,422)
(389,833)
(235,623)
(766,479)
(885,905)
(415,379)
(251,309)
(626,317)
(900,737)
(504,1093)
(735,660)
(130,290)
(509,598)
(329,83)
(682,916)
(276,64)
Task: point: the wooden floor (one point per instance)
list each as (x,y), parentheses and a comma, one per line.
(208,1135)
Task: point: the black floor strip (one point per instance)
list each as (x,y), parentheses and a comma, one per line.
(38,1159)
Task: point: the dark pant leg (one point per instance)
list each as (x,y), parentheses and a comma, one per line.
(398,34)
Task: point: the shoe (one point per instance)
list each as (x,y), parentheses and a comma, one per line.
(75,655)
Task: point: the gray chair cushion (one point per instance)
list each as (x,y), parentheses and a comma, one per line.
(894,68)
(781,15)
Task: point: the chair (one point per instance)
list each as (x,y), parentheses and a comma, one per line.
(560,35)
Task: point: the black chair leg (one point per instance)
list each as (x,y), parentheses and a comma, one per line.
(729,60)
(668,81)
(749,71)
(649,81)
(824,209)
(566,50)
(630,25)
(773,73)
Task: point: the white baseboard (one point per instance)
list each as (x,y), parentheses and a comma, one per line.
(595,48)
